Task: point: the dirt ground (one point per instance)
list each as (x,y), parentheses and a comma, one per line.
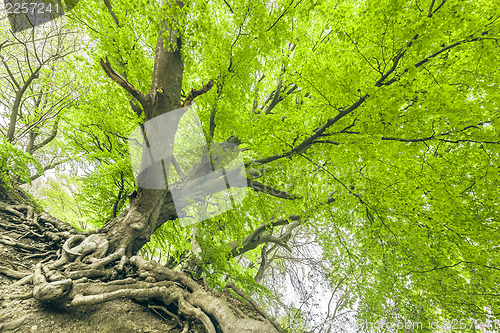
(119,316)
(116,316)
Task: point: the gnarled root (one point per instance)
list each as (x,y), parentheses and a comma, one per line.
(12,325)
(151,282)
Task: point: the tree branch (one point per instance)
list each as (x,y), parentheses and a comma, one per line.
(259,187)
(195,93)
(261,235)
(306,144)
(16,107)
(264,263)
(12,77)
(111,12)
(139,96)
(52,165)
(276,99)
(438,7)
(47,140)
(430,8)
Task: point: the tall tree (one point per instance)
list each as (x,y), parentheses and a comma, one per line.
(374,125)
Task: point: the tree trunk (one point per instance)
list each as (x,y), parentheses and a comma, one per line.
(148,210)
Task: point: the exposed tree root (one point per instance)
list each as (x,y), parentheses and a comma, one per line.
(240,293)
(12,273)
(12,325)
(164,310)
(84,273)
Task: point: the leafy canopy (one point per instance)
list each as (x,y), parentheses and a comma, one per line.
(388,108)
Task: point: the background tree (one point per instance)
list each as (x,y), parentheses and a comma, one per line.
(36,90)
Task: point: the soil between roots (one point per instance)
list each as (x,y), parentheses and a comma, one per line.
(118,316)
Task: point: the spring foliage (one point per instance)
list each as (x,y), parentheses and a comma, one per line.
(399,101)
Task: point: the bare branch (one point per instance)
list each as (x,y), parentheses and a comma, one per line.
(47,140)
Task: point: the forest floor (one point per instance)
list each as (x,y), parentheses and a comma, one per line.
(28,315)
